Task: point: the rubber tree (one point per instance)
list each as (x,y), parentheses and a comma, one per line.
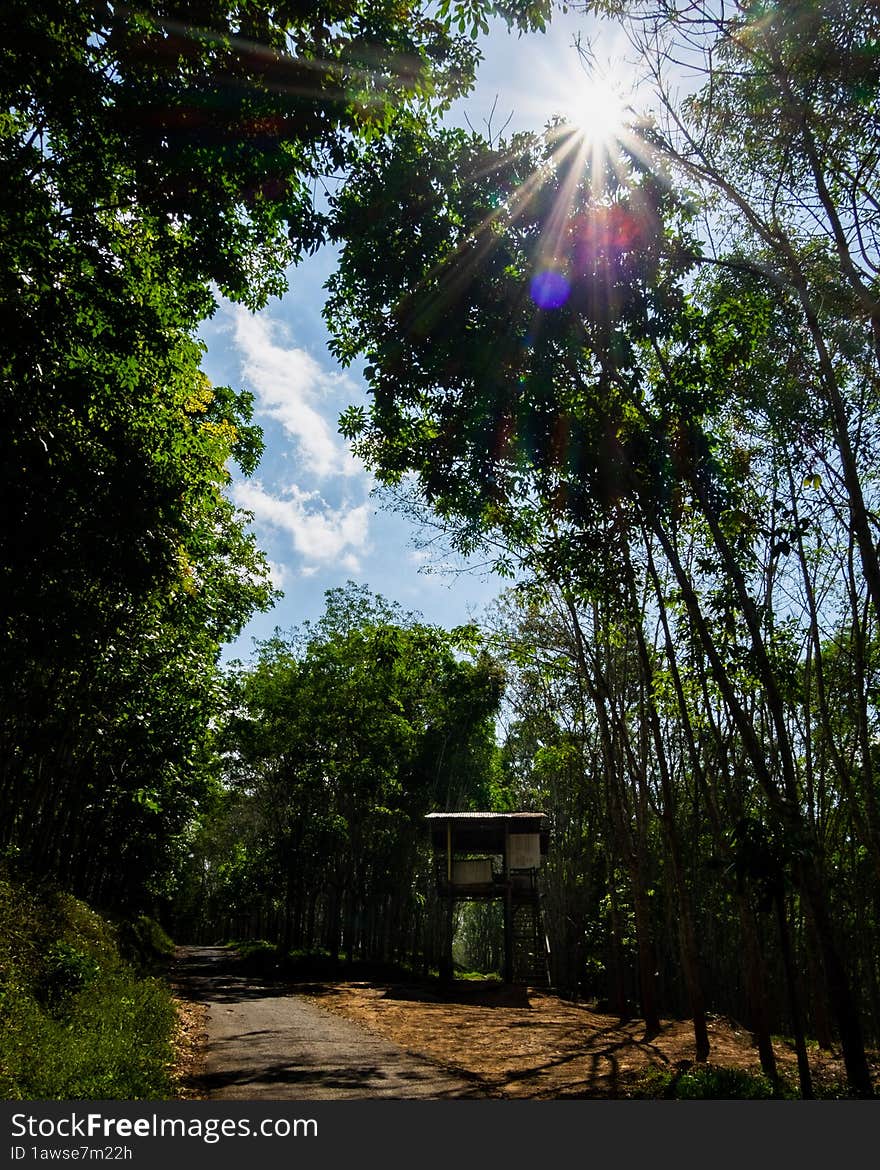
(538,362)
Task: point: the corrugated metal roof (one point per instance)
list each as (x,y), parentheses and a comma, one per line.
(481,816)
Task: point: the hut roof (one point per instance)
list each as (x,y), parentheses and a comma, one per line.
(484,831)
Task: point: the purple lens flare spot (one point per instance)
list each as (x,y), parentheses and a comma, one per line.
(549,289)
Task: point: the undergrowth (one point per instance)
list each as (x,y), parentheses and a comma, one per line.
(705,1082)
(80,1017)
(266,960)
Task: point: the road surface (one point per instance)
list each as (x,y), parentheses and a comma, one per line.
(265,1043)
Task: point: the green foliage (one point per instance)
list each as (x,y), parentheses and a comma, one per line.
(257,956)
(515,421)
(124,568)
(147,160)
(377,703)
(471,15)
(478,948)
(67,970)
(344,734)
(144,943)
(468,976)
(76,1020)
(112,1043)
(711,1082)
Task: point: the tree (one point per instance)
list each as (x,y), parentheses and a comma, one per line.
(347,733)
(149,159)
(782,142)
(545,365)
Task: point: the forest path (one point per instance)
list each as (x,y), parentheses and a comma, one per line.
(267,1043)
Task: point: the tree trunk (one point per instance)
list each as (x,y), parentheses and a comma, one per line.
(800,1041)
(756,981)
(616,982)
(647,960)
(783,804)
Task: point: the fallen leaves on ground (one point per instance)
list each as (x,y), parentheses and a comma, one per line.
(190,1040)
(526,1043)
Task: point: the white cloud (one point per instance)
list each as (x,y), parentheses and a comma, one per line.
(323,536)
(278,573)
(294,388)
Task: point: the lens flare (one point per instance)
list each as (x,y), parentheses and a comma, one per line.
(549,289)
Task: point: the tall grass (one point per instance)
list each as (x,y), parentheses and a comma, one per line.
(711,1082)
(77,1020)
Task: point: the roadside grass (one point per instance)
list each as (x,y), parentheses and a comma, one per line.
(476,976)
(79,1018)
(706,1082)
(268,961)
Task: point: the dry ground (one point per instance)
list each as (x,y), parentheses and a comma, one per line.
(527,1043)
(519,1042)
(189,1048)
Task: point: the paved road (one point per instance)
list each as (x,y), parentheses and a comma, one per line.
(266,1043)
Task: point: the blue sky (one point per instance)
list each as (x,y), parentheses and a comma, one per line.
(314,515)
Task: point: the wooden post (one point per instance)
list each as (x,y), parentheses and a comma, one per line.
(445,965)
(508,909)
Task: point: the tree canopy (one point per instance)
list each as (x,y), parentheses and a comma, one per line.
(643,372)
(632,378)
(152,159)
(345,734)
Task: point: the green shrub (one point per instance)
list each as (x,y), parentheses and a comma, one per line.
(476,976)
(67,969)
(705,1082)
(77,1022)
(113,1043)
(257,957)
(145,944)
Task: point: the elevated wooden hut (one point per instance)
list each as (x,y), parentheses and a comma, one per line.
(484,856)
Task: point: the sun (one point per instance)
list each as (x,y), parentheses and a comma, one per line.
(599,110)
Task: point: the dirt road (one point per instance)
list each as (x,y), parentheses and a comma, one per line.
(266,1043)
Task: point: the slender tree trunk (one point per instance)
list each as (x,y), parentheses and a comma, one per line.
(819,998)
(800,1041)
(647,959)
(690,958)
(631,844)
(616,981)
(687,935)
(756,981)
(783,803)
